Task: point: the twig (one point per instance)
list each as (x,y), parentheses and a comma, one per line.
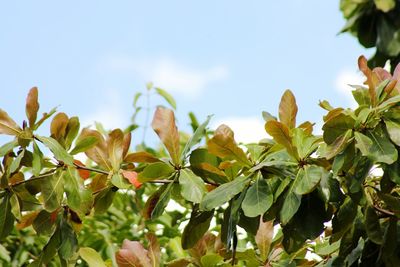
(80,167)
(387,212)
(33,178)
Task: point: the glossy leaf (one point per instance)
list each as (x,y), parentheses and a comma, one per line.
(258,199)
(192,186)
(223,145)
(223,193)
(288,109)
(338,145)
(164,125)
(32,106)
(382,150)
(59,152)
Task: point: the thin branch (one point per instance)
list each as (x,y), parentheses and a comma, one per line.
(33,178)
(80,167)
(386,212)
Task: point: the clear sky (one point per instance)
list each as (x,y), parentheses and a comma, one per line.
(231,58)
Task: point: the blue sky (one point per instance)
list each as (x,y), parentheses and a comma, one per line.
(233,59)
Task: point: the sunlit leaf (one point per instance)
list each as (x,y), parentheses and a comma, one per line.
(32,106)
(280,133)
(195,138)
(115,144)
(84,144)
(59,152)
(308,178)
(8,125)
(288,109)
(141,157)
(192,186)
(91,257)
(58,126)
(164,94)
(154,171)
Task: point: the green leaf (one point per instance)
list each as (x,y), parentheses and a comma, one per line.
(258,199)
(103,200)
(44,223)
(192,186)
(164,94)
(223,193)
(385,5)
(162,202)
(336,124)
(83,144)
(338,145)
(69,242)
(79,198)
(52,189)
(4,254)
(305,144)
(17,162)
(393,128)
(91,257)
(290,206)
(71,131)
(155,171)
(59,152)
(211,260)
(308,179)
(198,225)
(372,226)
(6,217)
(37,160)
(119,181)
(343,219)
(50,250)
(7,147)
(223,145)
(196,137)
(382,150)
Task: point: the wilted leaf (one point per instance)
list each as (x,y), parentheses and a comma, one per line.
(59,152)
(133,254)
(288,109)
(223,145)
(92,257)
(164,125)
(32,106)
(223,193)
(192,186)
(8,125)
(258,199)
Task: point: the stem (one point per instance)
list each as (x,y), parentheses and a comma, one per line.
(33,178)
(80,167)
(386,212)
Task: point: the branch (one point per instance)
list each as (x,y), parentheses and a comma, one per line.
(33,178)
(80,167)
(386,212)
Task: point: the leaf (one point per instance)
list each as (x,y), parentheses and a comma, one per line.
(91,256)
(385,5)
(27,220)
(141,157)
(119,181)
(382,150)
(132,254)
(52,191)
(6,217)
(363,66)
(103,200)
(69,242)
(192,186)
(98,153)
(17,162)
(154,249)
(162,202)
(308,178)
(196,228)
(258,199)
(59,152)
(223,193)
(115,145)
(132,177)
(50,250)
(84,174)
(288,109)
(8,125)
(44,222)
(305,143)
(32,106)
(79,198)
(37,160)
(223,145)
(84,144)
(7,147)
(290,206)
(164,125)
(211,260)
(154,171)
(58,126)
(164,94)
(4,254)
(393,129)
(264,237)
(280,133)
(195,138)
(338,145)
(71,132)
(336,124)
(372,226)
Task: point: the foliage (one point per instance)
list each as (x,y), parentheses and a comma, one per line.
(295,199)
(375,23)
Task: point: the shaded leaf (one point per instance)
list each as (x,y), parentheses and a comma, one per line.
(162,202)
(382,150)
(52,191)
(288,109)
(372,226)
(6,217)
(164,125)
(290,206)
(258,199)
(198,225)
(338,145)
(192,186)
(37,160)
(154,249)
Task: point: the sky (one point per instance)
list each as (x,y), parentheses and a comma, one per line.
(233,59)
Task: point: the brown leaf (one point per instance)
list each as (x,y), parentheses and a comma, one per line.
(99,182)
(98,153)
(59,125)
(164,125)
(363,66)
(132,177)
(223,145)
(32,106)
(281,135)
(8,125)
(264,237)
(115,145)
(154,249)
(27,220)
(126,144)
(307,127)
(141,157)
(132,254)
(288,109)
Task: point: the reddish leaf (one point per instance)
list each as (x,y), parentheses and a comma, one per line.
(363,66)
(32,106)
(27,220)
(115,145)
(131,176)
(164,125)
(8,125)
(98,153)
(288,109)
(84,174)
(132,254)
(59,125)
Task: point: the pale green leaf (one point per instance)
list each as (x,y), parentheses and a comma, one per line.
(192,186)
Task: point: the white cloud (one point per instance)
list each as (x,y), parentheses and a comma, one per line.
(109,112)
(172,75)
(246,129)
(343,79)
